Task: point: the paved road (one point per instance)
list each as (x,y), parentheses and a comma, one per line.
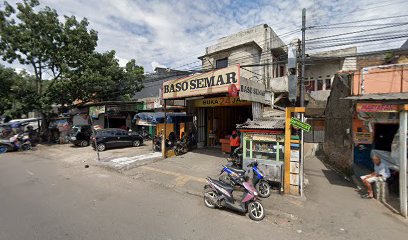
(45,198)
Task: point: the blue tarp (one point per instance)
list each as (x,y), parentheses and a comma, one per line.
(158,117)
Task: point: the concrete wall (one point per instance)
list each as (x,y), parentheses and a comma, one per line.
(251,46)
(338,117)
(384,79)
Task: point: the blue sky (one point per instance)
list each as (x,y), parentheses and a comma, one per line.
(175,32)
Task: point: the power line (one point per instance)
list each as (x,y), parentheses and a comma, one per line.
(354,32)
(365,20)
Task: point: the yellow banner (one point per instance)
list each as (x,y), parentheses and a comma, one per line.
(217,81)
(221,101)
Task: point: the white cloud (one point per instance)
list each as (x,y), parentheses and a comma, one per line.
(122,61)
(175,32)
(156,64)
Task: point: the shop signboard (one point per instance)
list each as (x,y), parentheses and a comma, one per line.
(94,111)
(299,124)
(252,91)
(220,102)
(217,81)
(376,107)
(363,138)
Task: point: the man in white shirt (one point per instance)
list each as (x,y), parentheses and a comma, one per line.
(381,173)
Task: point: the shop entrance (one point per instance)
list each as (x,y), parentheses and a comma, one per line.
(384,134)
(221,121)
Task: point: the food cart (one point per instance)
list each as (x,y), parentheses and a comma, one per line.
(264,141)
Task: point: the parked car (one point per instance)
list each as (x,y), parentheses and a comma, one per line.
(80,135)
(115,138)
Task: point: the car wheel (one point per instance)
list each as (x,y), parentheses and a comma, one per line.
(136,143)
(84,143)
(101,147)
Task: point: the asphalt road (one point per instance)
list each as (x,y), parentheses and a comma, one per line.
(43,197)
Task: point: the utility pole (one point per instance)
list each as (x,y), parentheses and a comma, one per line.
(302,78)
(302,103)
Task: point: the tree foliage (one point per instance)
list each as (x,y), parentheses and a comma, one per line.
(17,93)
(61,52)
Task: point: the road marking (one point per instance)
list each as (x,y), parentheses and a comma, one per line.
(128,160)
(180,177)
(29,172)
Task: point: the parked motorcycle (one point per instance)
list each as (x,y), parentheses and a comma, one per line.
(235,159)
(20,142)
(219,194)
(145,135)
(258,178)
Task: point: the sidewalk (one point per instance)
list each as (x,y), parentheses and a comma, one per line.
(332,209)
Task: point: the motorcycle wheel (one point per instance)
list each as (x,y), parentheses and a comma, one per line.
(209,195)
(256,211)
(3,149)
(264,189)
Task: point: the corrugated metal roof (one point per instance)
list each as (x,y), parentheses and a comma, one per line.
(263,124)
(382,96)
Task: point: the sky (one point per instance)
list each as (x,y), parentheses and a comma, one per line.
(173,33)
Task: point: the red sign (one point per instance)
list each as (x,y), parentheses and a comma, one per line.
(232,90)
(376,107)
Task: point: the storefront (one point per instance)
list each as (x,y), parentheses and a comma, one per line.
(378,128)
(175,122)
(218,100)
(217,117)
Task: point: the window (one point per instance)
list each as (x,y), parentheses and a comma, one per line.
(221,63)
(282,71)
(328,84)
(319,84)
(310,85)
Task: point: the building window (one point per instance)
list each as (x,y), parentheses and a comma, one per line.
(221,63)
(282,71)
(310,85)
(328,84)
(319,84)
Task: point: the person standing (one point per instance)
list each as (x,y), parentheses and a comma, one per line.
(235,141)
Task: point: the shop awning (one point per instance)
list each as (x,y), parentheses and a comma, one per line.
(153,118)
(380,97)
(265,124)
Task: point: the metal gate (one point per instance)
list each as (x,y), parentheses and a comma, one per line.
(201,127)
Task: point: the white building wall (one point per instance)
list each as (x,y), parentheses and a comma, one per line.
(261,35)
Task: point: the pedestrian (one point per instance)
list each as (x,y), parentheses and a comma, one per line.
(381,173)
(235,141)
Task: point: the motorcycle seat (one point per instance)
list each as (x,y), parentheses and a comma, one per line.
(237,170)
(223,185)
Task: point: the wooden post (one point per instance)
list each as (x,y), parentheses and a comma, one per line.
(164,134)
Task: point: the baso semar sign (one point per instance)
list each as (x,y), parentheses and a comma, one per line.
(252,91)
(218,81)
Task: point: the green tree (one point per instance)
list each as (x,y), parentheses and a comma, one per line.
(17,93)
(100,79)
(39,39)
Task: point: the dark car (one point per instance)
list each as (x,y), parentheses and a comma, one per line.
(80,135)
(115,138)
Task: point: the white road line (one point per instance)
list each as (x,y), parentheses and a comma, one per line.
(29,172)
(128,160)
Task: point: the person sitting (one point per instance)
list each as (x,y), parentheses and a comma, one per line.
(235,141)
(381,173)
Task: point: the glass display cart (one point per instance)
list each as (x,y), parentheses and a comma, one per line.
(267,147)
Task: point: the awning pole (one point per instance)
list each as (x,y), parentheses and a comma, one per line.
(403,163)
(164,134)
